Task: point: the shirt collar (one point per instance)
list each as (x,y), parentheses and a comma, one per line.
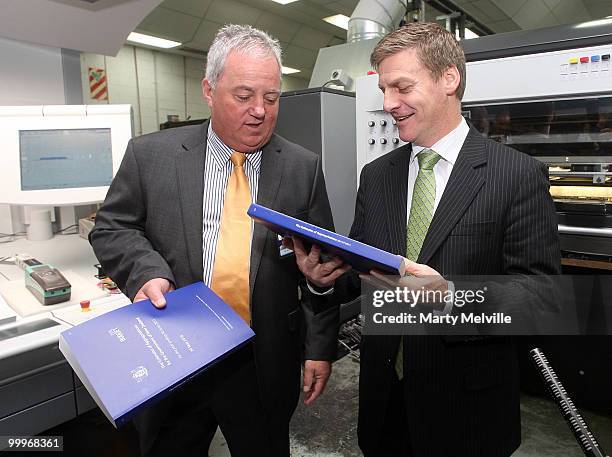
(447,147)
(221,152)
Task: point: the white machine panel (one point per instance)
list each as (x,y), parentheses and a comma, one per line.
(376,130)
(552,74)
(549,74)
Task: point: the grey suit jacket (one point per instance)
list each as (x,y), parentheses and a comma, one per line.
(150,225)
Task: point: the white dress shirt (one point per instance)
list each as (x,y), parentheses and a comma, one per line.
(448,149)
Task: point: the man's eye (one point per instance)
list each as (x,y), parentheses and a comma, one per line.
(271,99)
(242,98)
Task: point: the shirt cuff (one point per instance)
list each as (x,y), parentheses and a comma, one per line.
(320,293)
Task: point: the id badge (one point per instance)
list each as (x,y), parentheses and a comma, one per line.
(282,250)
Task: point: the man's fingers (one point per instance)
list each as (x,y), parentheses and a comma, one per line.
(154,290)
(316,390)
(157,298)
(298,248)
(308,378)
(411,267)
(314,255)
(338,272)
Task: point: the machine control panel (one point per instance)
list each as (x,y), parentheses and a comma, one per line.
(586,66)
(377,132)
(545,75)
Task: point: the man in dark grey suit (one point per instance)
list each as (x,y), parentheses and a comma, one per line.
(453,203)
(161,226)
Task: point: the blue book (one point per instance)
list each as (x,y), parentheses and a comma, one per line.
(134,356)
(362,257)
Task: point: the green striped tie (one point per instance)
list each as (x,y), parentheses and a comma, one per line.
(421,212)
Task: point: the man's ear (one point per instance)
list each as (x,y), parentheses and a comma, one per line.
(452,79)
(207,92)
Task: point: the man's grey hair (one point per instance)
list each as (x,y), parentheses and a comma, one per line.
(243,39)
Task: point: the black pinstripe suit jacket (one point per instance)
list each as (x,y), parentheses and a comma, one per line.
(495,217)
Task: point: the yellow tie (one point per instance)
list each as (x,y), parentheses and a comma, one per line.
(230,278)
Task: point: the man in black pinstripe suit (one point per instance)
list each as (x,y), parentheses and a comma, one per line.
(492,215)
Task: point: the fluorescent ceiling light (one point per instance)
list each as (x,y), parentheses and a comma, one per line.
(152,40)
(288,70)
(470,34)
(284,2)
(605,21)
(339,20)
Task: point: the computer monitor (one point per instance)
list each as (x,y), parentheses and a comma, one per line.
(61,155)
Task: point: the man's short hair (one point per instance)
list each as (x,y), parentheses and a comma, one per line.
(436,48)
(240,38)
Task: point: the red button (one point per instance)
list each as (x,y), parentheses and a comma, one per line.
(584,60)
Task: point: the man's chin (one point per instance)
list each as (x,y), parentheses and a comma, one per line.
(255,143)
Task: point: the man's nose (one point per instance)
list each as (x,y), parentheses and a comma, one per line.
(390,102)
(258,110)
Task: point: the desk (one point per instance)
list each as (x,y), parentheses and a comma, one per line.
(66,252)
(38,389)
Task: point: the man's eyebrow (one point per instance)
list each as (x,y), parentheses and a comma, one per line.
(242,87)
(400,80)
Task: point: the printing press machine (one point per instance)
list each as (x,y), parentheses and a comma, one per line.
(548,93)
(562,117)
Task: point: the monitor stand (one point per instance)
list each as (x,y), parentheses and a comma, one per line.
(40,227)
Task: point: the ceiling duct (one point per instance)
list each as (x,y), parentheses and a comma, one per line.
(374,19)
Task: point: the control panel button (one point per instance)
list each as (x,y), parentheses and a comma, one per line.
(395,140)
(371,141)
(383,141)
(383,122)
(371,123)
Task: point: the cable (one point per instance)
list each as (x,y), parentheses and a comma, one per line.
(570,413)
(61,231)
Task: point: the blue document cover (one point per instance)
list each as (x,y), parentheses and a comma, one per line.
(362,257)
(134,356)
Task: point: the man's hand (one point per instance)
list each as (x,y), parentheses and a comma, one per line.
(154,290)
(418,276)
(316,374)
(319,274)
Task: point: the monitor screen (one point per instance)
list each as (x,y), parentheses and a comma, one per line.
(65,158)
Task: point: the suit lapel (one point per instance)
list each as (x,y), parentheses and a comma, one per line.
(270,174)
(190,180)
(464,183)
(396,191)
